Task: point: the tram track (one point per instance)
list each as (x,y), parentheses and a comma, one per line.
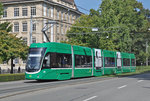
(4,93)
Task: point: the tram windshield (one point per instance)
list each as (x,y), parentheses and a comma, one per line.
(34,59)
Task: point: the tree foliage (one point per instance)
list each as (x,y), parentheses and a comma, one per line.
(1,9)
(11,46)
(123,26)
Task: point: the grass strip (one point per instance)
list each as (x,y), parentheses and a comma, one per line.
(139,70)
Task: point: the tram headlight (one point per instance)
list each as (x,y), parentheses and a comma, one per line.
(38,76)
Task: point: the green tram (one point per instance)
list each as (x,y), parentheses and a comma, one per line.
(59,61)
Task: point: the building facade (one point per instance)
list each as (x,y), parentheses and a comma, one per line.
(31,16)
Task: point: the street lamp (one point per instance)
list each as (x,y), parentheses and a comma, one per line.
(94,29)
(107,37)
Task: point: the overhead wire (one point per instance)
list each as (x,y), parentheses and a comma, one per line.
(55,15)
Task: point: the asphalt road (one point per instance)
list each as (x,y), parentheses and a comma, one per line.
(131,88)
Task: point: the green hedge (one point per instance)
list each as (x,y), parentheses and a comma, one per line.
(11,77)
(15,77)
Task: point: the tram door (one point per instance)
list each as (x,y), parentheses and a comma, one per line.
(118,59)
(98,59)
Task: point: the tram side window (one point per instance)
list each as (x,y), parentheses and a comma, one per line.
(82,61)
(59,60)
(88,61)
(126,62)
(109,62)
(133,62)
(46,61)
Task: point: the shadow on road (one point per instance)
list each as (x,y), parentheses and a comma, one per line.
(40,81)
(45,81)
(143,76)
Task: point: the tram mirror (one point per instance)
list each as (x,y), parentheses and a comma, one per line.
(46,58)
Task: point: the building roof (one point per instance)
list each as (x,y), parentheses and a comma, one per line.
(16,1)
(69,1)
(12,0)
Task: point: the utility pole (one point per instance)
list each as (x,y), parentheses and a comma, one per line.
(146,53)
(46,28)
(31,23)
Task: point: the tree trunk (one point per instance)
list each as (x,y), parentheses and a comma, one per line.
(11,71)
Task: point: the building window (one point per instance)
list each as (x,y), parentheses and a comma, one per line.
(72,19)
(4,62)
(68,17)
(16,60)
(25,41)
(61,15)
(16,27)
(57,30)
(16,12)
(5,13)
(47,11)
(44,9)
(65,29)
(57,39)
(34,40)
(33,10)
(24,26)
(34,27)
(65,16)
(62,32)
(57,14)
(24,12)
(52,11)
(24,61)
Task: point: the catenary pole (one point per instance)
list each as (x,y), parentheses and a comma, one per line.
(146,52)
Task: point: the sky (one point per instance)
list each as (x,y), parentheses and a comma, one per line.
(86,5)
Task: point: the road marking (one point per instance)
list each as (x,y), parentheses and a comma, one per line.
(90,98)
(140,80)
(122,86)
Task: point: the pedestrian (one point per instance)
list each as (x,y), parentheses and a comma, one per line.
(0,70)
(19,69)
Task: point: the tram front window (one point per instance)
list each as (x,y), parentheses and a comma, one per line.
(34,59)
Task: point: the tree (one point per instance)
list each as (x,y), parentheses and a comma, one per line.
(125,14)
(119,23)
(11,46)
(83,38)
(140,40)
